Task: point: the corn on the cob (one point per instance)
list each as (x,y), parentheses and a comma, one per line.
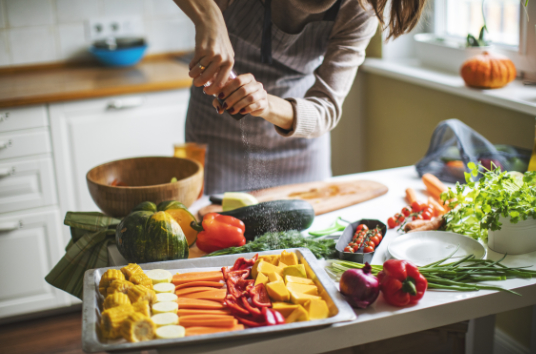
(107,278)
(140,293)
(112,319)
(119,286)
(141,279)
(131,269)
(138,327)
(142,307)
(114,300)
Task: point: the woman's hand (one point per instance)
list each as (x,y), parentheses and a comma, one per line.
(243,95)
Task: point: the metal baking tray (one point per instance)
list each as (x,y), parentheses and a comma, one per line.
(339,309)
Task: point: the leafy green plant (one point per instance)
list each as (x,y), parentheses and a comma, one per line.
(481,41)
(479,204)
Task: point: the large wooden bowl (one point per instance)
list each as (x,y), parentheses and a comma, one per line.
(148,179)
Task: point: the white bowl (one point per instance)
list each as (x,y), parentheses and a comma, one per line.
(513,239)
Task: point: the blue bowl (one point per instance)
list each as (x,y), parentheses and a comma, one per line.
(119,57)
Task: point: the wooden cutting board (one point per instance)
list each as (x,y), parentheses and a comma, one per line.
(323,196)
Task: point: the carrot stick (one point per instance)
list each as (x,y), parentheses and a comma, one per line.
(195,331)
(194,289)
(434,186)
(214,284)
(187,303)
(438,209)
(197,276)
(411,195)
(215,295)
(207,321)
(189,312)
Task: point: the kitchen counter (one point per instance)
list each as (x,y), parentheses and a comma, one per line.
(67,82)
(382,321)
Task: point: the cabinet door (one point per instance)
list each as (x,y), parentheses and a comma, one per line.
(29,248)
(88,133)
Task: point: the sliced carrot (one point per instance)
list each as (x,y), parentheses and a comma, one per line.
(207,321)
(195,289)
(214,284)
(434,186)
(189,312)
(411,195)
(438,208)
(215,295)
(187,303)
(197,276)
(195,331)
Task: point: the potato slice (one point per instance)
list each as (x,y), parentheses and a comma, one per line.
(159,276)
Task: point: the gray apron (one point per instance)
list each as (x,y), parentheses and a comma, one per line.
(249,154)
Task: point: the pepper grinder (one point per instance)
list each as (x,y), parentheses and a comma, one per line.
(236,116)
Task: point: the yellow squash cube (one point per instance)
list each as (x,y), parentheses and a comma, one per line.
(297,270)
(300,299)
(303,288)
(261,279)
(274,277)
(267,268)
(299,314)
(278,291)
(291,279)
(289,258)
(317,309)
(284,308)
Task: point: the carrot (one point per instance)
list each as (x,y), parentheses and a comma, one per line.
(195,331)
(430,225)
(194,289)
(197,276)
(215,295)
(214,284)
(207,321)
(434,186)
(411,196)
(438,209)
(187,303)
(189,312)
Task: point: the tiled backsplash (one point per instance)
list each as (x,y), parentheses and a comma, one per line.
(44,31)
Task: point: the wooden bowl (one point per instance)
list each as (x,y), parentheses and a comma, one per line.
(147,179)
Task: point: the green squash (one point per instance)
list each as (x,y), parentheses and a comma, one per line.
(150,234)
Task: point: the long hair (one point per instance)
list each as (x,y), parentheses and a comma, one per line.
(403,15)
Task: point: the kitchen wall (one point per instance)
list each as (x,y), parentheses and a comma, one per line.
(44,31)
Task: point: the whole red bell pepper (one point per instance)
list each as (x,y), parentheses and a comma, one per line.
(401,283)
(218,232)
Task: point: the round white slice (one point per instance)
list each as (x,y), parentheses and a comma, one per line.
(165,319)
(166,297)
(159,276)
(169,332)
(164,288)
(165,306)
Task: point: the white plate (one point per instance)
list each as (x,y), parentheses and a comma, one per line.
(425,247)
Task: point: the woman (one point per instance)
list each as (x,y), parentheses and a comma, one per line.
(297,60)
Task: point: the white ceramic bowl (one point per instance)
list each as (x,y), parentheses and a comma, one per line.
(513,239)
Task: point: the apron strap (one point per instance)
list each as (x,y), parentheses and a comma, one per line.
(266,41)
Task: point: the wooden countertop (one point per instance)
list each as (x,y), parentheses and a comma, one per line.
(64,83)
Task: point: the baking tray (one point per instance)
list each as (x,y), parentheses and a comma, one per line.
(338,307)
(347,235)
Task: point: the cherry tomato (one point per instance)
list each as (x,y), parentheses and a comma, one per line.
(428,209)
(376,240)
(362,227)
(356,249)
(426,215)
(368,250)
(348,249)
(391,222)
(380,237)
(417,217)
(416,207)
(399,218)
(406,210)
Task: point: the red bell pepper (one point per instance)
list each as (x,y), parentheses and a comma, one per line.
(269,316)
(259,296)
(401,283)
(278,317)
(218,232)
(235,307)
(252,309)
(242,263)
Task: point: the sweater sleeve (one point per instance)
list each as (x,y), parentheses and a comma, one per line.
(320,110)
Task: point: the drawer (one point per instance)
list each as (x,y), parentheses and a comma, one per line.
(29,248)
(24,143)
(26,184)
(22,118)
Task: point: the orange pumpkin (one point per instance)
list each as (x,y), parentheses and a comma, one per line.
(488,71)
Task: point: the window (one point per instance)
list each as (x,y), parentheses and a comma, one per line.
(456,18)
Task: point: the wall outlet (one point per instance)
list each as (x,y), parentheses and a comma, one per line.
(123,26)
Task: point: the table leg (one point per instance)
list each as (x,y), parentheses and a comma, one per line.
(480,335)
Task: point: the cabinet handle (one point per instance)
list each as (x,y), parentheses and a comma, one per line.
(5,172)
(10,226)
(5,144)
(125,103)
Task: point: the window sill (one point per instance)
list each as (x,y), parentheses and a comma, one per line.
(514,96)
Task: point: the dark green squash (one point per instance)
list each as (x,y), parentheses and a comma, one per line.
(150,234)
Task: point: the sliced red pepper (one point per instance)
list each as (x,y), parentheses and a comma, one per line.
(269,317)
(278,317)
(249,321)
(239,288)
(401,283)
(252,310)
(234,306)
(259,296)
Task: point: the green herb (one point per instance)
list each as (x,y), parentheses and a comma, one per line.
(281,240)
(479,204)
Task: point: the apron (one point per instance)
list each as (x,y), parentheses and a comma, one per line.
(249,154)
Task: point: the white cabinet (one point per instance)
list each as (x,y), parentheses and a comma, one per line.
(88,133)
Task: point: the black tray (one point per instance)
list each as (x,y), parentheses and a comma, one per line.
(347,235)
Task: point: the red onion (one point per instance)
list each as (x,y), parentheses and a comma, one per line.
(360,287)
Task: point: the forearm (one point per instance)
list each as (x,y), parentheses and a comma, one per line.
(280,113)
(199,11)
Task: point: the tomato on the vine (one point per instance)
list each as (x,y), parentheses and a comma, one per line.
(348,249)
(417,217)
(362,227)
(426,215)
(406,210)
(416,207)
(376,240)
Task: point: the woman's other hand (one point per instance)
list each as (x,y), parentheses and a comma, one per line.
(243,95)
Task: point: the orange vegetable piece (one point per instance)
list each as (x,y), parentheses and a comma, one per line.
(207,321)
(197,276)
(215,295)
(195,331)
(411,196)
(189,312)
(434,186)
(456,164)
(194,289)
(188,303)
(438,208)
(214,284)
